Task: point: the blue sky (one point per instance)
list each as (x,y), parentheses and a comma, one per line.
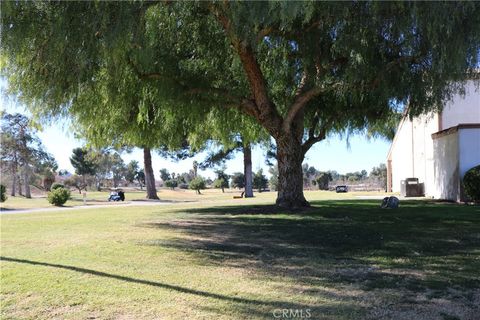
(330,154)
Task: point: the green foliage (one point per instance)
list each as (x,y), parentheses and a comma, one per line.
(160,73)
(22,149)
(131,171)
(380,173)
(3,191)
(140,177)
(197,184)
(260,181)
(222,179)
(164,174)
(58,196)
(77,182)
(81,162)
(238,180)
(220,184)
(322,179)
(471,183)
(172,184)
(56,186)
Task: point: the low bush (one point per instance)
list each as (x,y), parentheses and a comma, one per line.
(56,186)
(58,196)
(3,192)
(197,184)
(172,184)
(471,184)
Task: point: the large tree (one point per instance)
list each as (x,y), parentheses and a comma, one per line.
(22,153)
(299,69)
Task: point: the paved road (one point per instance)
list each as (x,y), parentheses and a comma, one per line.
(55,209)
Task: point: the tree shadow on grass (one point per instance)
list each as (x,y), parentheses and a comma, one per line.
(420,246)
(256,307)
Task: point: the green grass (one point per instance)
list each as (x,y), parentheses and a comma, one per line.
(243,259)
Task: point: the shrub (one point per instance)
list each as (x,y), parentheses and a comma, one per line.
(197,184)
(471,184)
(3,192)
(172,184)
(56,186)
(221,184)
(58,196)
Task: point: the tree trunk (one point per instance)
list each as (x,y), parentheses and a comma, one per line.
(290,175)
(14,183)
(149,176)
(27,183)
(19,180)
(247,170)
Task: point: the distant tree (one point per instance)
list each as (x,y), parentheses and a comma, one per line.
(3,192)
(195,168)
(131,171)
(224,154)
(140,177)
(48,179)
(380,174)
(334,174)
(118,168)
(77,182)
(186,177)
(22,153)
(165,175)
(63,173)
(221,181)
(83,164)
(197,184)
(172,184)
(260,181)
(309,174)
(322,180)
(300,70)
(108,164)
(273,181)
(238,180)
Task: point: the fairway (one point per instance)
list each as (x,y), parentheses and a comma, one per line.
(342,259)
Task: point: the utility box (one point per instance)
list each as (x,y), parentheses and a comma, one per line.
(411,187)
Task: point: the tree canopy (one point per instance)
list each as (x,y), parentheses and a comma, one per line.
(299,70)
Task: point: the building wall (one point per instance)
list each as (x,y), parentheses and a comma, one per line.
(441,162)
(411,155)
(469,151)
(462,109)
(401,154)
(446,166)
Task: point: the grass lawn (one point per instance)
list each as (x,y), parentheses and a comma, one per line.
(177,195)
(342,259)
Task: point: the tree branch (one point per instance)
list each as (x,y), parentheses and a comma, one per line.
(312,139)
(266,112)
(302,100)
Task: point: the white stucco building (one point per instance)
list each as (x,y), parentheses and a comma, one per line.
(438,148)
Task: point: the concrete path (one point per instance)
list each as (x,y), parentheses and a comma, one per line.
(112,205)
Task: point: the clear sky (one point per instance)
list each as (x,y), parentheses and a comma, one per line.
(330,154)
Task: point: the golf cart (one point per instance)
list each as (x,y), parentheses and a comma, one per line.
(117,195)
